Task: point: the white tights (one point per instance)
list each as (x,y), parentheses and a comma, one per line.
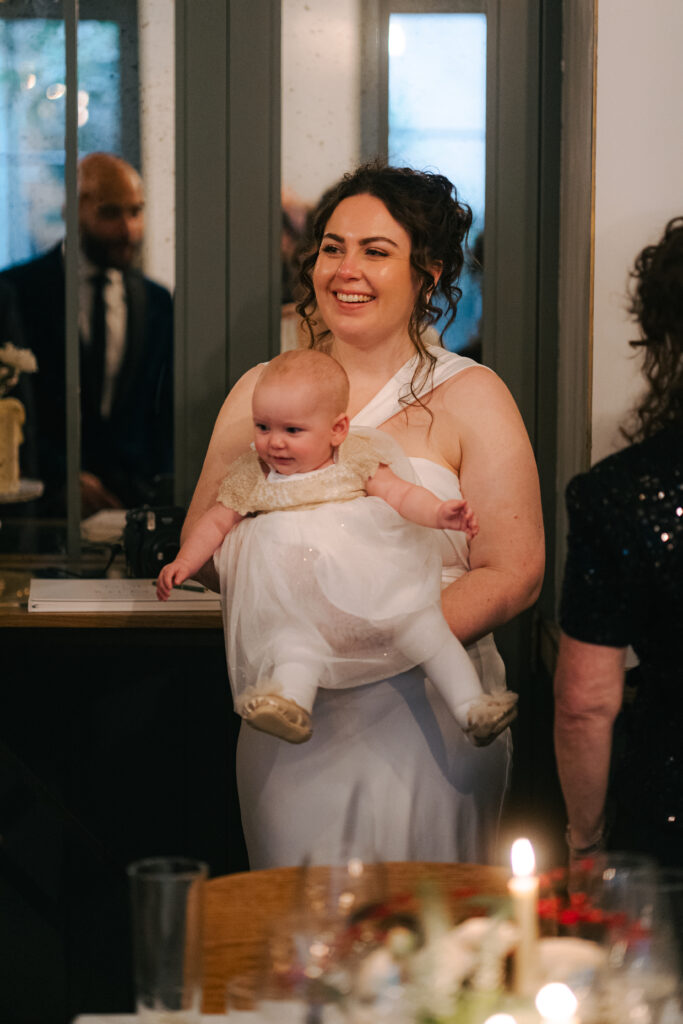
(427,641)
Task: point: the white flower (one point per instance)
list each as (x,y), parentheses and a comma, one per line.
(14,361)
(20,359)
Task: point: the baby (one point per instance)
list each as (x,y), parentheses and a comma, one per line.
(340,583)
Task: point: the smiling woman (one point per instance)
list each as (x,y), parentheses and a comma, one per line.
(362,273)
(385,242)
(370,268)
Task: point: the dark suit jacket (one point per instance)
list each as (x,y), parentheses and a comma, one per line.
(135,444)
(9,325)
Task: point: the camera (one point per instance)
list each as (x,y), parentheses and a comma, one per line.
(151,539)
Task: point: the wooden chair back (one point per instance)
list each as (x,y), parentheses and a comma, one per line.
(240,909)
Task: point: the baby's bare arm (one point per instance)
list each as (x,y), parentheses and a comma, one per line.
(421,506)
(206,536)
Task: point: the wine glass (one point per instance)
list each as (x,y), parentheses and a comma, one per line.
(297,979)
(341,877)
(641,979)
(608,880)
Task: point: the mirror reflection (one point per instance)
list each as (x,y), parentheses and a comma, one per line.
(427,72)
(437,119)
(125,256)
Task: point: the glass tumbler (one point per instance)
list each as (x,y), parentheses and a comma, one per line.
(167,916)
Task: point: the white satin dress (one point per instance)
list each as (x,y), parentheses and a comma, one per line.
(387,755)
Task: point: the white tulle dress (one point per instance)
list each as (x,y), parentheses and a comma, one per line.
(389,750)
(322,580)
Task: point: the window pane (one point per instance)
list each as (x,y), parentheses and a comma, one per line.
(32,97)
(32,128)
(437,121)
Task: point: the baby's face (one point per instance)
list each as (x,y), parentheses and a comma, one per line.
(294,431)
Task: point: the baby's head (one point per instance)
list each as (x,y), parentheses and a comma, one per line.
(299,410)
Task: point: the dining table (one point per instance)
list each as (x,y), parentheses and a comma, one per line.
(238,1017)
(240,909)
(132,1018)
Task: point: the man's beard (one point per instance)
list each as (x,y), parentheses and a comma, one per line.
(119,255)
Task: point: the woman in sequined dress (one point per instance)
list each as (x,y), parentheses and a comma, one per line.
(620,758)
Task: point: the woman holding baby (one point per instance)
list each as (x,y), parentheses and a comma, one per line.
(385,242)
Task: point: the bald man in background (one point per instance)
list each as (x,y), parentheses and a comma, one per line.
(126,350)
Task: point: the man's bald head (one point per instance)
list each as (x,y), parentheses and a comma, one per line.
(110,210)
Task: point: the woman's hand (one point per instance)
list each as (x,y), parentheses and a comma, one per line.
(94,495)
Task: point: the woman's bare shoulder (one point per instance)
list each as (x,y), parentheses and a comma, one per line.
(476,380)
(239,397)
(476,395)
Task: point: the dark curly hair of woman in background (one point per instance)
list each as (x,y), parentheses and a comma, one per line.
(426,205)
(657,306)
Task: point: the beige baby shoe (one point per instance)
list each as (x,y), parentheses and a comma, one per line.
(489,715)
(278,716)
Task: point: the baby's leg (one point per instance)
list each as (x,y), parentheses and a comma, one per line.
(480,715)
(282,705)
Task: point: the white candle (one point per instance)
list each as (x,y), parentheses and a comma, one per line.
(523,888)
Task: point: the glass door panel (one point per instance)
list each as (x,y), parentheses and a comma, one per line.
(32,160)
(126,108)
(437,121)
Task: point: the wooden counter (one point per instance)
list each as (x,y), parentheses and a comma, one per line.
(15,615)
(21,618)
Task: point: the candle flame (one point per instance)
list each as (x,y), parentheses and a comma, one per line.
(522,858)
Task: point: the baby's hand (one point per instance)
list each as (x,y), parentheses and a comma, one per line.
(171,574)
(457,515)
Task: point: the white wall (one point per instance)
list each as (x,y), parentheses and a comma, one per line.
(156,27)
(638,182)
(320,93)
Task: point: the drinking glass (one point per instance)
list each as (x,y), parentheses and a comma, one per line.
(609,878)
(167,913)
(641,979)
(340,892)
(286,989)
(341,874)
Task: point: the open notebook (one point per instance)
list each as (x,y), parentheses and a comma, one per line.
(115,596)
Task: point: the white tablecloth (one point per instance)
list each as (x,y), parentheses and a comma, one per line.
(284,1013)
(131,1018)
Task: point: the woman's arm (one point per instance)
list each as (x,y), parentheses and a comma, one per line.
(231,437)
(589,688)
(478,428)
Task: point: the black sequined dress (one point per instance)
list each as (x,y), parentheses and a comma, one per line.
(623,586)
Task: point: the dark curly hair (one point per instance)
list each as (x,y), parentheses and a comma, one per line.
(657,306)
(426,205)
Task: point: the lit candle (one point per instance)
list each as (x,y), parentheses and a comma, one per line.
(523,888)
